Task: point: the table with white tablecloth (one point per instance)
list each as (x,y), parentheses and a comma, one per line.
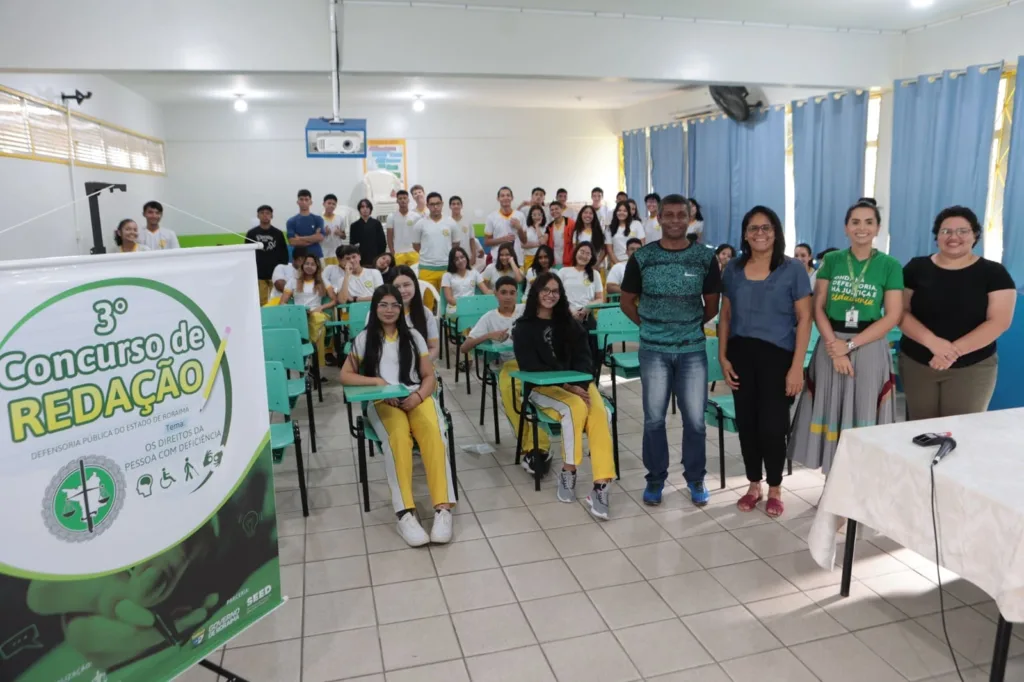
(881,479)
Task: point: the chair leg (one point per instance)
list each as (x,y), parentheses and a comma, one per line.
(451,455)
(300,468)
(615,425)
(363,476)
(789,465)
(483,398)
(444,345)
(309,408)
(522,425)
(721,446)
(316,376)
(494,409)
(457,356)
(469,385)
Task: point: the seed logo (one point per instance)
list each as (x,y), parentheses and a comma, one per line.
(84,499)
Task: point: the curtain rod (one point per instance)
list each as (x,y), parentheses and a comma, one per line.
(956,73)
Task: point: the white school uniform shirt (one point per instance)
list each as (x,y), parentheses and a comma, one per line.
(522,251)
(578,289)
(389,368)
(498,226)
(403,226)
(491,275)
(160,240)
(435,240)
(618,242)
(696,227)
(331,242)
(359,286)
(652,230)
(617,272)
(308,297)
(461,285)
(285,271)
(138,247)
(604,214)
(493,321)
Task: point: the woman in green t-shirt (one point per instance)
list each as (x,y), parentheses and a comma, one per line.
(858,299)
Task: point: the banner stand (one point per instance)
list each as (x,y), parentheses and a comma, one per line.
(226,674)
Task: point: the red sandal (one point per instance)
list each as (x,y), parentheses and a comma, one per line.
(774,507)
(748,502)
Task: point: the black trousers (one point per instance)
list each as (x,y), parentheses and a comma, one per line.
(762,406)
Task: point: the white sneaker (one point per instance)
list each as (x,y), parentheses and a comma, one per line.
(411,530)
(441,532)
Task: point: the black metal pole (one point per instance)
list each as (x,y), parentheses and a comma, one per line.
(1001,650)
(227,675)
(851,543)
(92,190)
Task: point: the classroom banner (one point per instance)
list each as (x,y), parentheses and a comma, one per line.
(387,155)
(135,462)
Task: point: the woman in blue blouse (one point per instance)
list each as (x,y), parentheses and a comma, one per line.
(763,330)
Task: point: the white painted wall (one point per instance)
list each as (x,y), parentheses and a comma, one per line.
(29,188)
(222,165)
(979,39)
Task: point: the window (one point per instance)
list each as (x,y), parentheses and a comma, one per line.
(997,169)
(35,129)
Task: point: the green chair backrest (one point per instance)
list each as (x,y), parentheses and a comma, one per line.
(358,313)
(286,317)
(614,326)
(277,388)
(714,367)
(284,346)
(472,308)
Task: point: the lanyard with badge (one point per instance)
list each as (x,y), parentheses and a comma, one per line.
(853,315)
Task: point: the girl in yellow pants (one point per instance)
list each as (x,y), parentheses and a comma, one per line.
(547,338)
(389,353)
(310,292)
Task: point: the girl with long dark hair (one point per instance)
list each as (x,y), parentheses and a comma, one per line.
(802,252)
(543,261)
(588,229)
(696,228)
(549,338)
(417,315)
(310,291)
(622,228)
(388,353)
(505,265)
(530,235)
(763,331)
(460,280)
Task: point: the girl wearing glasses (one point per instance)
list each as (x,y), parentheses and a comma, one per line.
(389,353)
(763,330)
(956,305)
(858,299)
(548,338)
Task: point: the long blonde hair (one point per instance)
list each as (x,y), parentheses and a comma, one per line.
(318,280)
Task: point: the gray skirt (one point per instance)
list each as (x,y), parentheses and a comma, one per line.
(832,402)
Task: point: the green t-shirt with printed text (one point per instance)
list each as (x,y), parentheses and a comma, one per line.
(884,273)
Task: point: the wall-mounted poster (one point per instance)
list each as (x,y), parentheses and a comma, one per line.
(387,155)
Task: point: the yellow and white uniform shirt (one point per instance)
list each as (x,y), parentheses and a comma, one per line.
(403,226)
(462,285)
(493,321)
(435,239)
(500,225)
(617,272)
(286,272)
(159,240)
(491,274)
(359,286)
(618,241)
(304,293)
(331,242)
(389,368)
(579,290)
(652,230)
(531,238)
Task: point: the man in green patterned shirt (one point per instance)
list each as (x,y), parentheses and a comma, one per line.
(671,288)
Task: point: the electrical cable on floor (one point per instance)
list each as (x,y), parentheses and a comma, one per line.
(938,572)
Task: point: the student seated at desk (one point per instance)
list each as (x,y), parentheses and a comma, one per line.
(543,261)
(504,264)
(496,325)
(618,270)
(417,315)
(386,267)
(547,338)
(349,281)
(309,291)
(285,273)
(388,353)
(460,280)
(583,286)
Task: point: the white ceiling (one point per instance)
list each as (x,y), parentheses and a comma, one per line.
(864,14)
(184,88)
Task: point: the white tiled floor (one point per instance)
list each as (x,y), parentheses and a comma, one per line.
(532,590)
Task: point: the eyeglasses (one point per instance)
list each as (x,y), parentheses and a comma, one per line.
(435,204)
(754,229)
(549,292)
(959,232)
(389,305)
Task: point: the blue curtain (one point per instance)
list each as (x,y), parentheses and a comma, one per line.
(634,152)
(829,140)
(710,174)
(735,166)
(942,143)
(1013,198)
(667,159)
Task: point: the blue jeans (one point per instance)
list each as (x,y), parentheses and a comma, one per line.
(685,375)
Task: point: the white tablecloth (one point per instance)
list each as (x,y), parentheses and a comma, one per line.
(881,479)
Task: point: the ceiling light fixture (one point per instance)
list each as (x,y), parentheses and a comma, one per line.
(921,4)
(241,106)
(418,104)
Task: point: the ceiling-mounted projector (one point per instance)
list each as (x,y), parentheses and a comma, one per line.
(342,139)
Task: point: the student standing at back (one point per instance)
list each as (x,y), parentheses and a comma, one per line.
(337,230)
(502,224)
(604,214)
(306,229)
(477,257)
(273,253)
(560,232)
(562,197)
(419,199)
(652,228)
(156,238)
(399,230)
(433,238)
